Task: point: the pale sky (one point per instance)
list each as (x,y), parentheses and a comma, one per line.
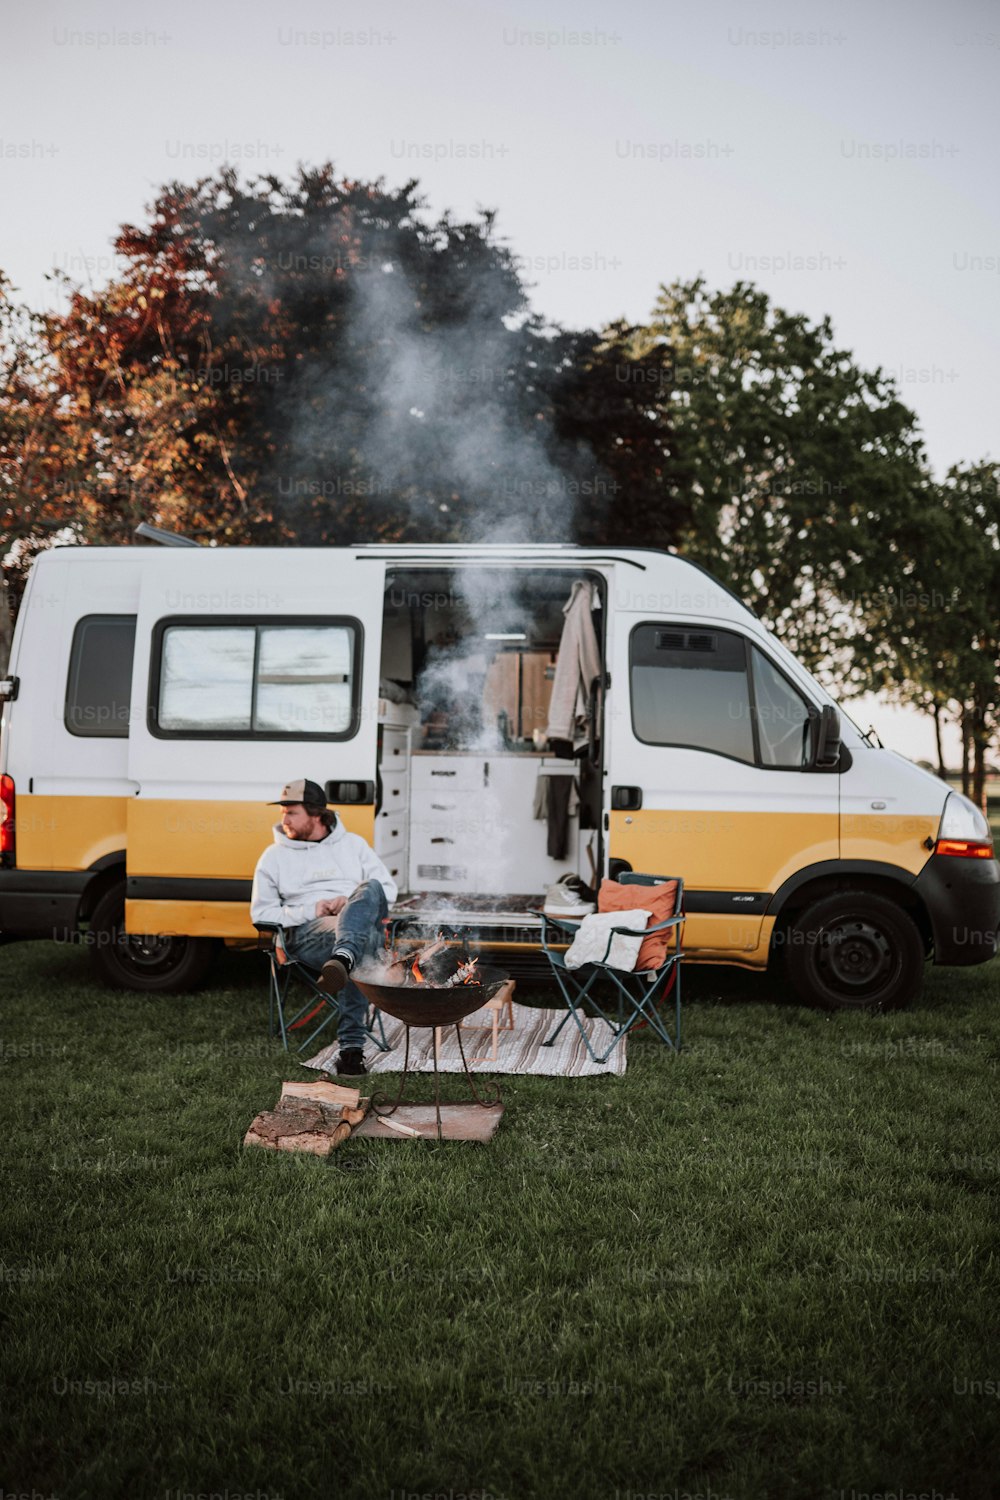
(842,157)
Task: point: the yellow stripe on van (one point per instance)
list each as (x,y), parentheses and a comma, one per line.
(175,837)
(226,919)
(719,937)
(68,833)
(723,850)
(170,837)
(893,839)
(710,939)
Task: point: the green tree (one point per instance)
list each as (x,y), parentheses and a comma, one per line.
(610,397)
(932,636)
(36,458)
(316,361)
(797,466)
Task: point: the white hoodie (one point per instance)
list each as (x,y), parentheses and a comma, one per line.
(294,874)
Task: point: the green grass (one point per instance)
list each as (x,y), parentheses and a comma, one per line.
(765,1268)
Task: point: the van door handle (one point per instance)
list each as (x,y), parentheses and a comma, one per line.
(350,791)
(626,798)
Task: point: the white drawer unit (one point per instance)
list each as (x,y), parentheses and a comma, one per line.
(396,862)
(461,818)
(433,847)
(395,788)
(450,773)
(395,749)
(473,829)
(392,831)
(391,828)
(390,836)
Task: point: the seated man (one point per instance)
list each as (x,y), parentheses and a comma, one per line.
(330,893)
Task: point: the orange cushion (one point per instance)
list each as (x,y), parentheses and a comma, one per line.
(660,900)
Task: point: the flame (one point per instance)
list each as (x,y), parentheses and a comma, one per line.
(467,973)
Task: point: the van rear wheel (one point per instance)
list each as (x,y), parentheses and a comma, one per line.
(855,951)
(148,962)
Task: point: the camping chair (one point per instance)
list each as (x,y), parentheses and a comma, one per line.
(283,970)
(635,995)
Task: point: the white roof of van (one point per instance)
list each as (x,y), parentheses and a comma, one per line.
(651,580)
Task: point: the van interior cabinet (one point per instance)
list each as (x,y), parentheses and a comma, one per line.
(473,825)
(392,821)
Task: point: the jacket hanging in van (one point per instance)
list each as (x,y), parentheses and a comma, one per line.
(578,663)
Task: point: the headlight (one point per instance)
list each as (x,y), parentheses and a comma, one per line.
(964,831)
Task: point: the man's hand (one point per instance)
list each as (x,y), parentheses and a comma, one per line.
(332,906)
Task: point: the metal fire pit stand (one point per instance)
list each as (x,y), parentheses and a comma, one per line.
(435,1008)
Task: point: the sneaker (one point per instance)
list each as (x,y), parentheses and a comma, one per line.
(564,899)
(351,1063)
(333,976)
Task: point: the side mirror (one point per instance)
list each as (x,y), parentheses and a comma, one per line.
(826,738)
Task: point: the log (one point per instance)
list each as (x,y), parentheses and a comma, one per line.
(304,1125)
(396,973)
(324,1093)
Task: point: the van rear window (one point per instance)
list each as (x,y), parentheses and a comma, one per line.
(99,687)
(247,680)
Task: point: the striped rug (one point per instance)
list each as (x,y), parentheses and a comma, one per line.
(518,1051)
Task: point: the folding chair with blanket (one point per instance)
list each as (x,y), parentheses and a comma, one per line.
(635,995)
(285,969)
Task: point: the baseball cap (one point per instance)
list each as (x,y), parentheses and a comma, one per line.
(300,791)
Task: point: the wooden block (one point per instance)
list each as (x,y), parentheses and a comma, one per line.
(459,1122)
(355,1116)
(304,1125)
(500,1001)
(325,1093)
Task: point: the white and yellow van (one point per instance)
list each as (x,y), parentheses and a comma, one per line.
(157,697)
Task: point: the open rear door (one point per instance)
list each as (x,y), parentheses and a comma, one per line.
(252,668)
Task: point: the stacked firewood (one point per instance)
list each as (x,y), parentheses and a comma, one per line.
(313,1117)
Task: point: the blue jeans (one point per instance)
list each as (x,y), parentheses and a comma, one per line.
(356,930)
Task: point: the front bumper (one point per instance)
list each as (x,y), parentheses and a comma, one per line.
(962,898)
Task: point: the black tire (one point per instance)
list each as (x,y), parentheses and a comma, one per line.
(854,951)
(150,964)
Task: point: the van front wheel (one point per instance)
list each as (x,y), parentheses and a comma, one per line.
(151,963)
(855,951)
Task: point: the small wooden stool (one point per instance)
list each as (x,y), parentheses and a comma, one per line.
(501,1001)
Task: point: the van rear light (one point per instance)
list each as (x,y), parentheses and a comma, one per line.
(965,848)
(7,815)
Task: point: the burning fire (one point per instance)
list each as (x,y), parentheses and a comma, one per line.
(432,964)
(466,973)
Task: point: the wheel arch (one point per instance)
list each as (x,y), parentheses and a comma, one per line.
(106,872)
(816,881)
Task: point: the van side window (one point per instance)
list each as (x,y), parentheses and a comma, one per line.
(782,717)
(713,690)
(218,678)
(99,685)
(690,687)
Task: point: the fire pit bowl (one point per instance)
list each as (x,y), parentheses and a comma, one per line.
(431,1005)
(434,1005)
